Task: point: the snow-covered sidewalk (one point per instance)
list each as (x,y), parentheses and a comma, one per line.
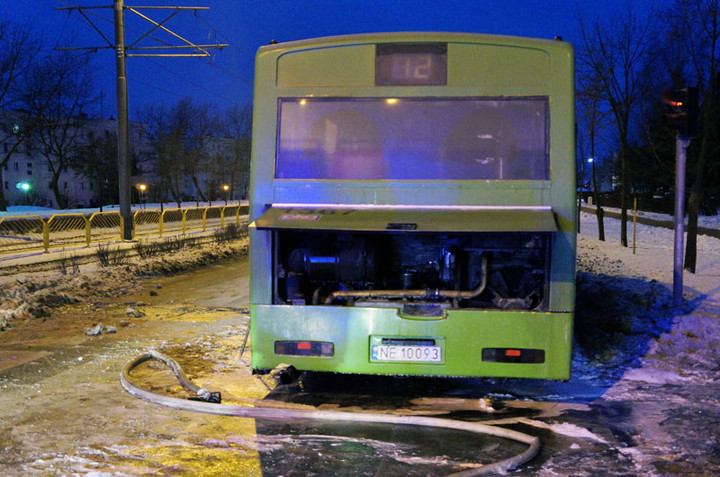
(665,398)
(653,257)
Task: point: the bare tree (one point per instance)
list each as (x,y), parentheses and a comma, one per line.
(238,127)
(619,53)
(58,92)
(594,122)
(96,159)
(181,136)
(19,49)
(202,124)
(166,135)
(694,28)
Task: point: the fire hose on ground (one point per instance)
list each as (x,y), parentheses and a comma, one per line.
(209,403)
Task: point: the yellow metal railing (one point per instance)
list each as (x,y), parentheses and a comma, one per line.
(18,234)
(104,227)
(66,230)
(32,232)
(147,223)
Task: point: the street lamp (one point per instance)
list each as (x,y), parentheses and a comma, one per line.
(593,180)
(141,188)
(226,188)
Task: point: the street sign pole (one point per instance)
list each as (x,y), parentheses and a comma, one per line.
(681,147)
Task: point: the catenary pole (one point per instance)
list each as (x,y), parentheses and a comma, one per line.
(122,125)
(123,51)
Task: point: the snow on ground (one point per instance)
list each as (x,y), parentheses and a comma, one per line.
(653,257)
(660,362)
(709,221)
(625,316)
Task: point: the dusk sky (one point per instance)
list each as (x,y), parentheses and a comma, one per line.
(227,77)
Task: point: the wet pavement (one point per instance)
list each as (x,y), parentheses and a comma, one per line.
(63,411)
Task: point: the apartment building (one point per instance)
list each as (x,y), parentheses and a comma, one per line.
(27,172)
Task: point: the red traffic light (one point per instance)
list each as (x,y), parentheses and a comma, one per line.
(681,110)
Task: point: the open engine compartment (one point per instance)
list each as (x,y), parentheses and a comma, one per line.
(508,270)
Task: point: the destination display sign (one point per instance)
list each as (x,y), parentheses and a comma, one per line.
(411,64)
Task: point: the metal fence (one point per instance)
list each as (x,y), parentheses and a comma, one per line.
(32,232)
(147,222)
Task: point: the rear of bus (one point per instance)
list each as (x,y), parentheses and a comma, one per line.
(413,206)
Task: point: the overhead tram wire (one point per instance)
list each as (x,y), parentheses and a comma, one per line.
(193,83)
(211,62)
(227,40)
(65,23)
(98,16)
(112,72)
(111,21)
(227,71)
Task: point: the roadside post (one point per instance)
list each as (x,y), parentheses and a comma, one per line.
(681,107)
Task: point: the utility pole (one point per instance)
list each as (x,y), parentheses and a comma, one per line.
(123,140)
(121,52)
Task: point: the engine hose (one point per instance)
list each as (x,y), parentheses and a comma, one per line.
(340,416)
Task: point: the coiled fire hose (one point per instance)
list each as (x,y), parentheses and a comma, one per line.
(206,403)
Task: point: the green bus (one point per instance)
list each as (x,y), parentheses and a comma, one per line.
(412,206)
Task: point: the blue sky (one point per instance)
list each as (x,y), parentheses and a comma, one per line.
(227,77)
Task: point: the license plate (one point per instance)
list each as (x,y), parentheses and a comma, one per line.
(414,354)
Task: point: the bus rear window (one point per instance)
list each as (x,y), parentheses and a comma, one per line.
(413,139)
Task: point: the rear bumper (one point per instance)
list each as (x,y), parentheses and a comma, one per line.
(463,335)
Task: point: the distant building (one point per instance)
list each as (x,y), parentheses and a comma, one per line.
(220,171)
(26,174)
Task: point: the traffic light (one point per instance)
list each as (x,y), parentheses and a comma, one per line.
(681,110)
